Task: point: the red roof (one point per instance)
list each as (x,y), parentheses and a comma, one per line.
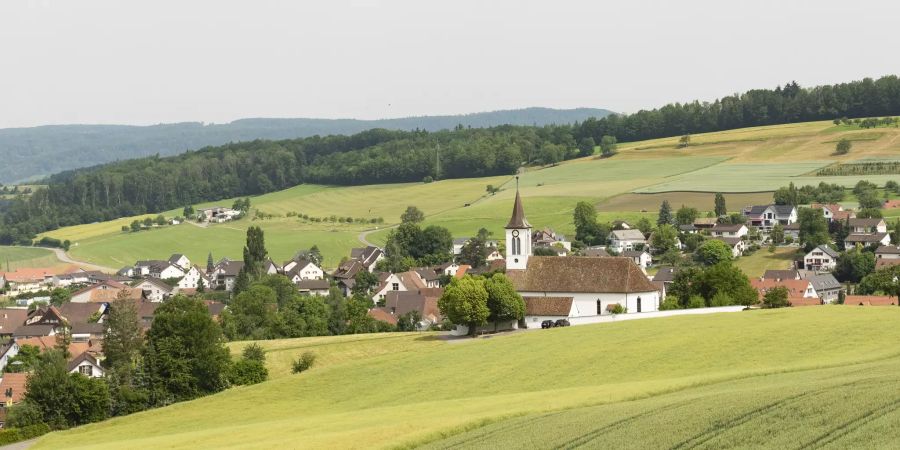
(15,382)
(870,300)
(382,315)
(36,274)
(796,288)
(461,272)
(891,204)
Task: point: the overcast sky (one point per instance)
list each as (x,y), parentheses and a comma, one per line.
(144,62)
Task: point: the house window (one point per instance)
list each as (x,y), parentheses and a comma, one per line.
(85,370)
(639,304)
(396,286)
(599,307)
(517,245)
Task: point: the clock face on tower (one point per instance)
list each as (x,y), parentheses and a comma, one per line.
(515,233)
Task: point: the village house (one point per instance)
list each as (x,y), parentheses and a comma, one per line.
(106,291)
(430,276)
(399,303)
(622,240)
(181,261)
(687,229)
(314,287)
(395,282)
(766,216)
(459,243)
(12,386)
(705,223)
(154,289)
(217,214)
(449,269)
(27,281)
(10,319)
(193,278)
(887,252)
(736,244)
(547,237)
(87,365)
(833,212)
(792,231)
(225,273)
(865,240)
(800,292)
(820,258)
(573,287)
(868,226)
(299,269)
(155,268)
(729,230)
(367,256)
(827,287)
(640,257)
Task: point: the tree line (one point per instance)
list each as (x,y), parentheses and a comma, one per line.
(788,104)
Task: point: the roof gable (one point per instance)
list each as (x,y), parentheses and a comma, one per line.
(581,275)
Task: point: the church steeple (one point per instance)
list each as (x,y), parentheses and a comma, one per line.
(518,236)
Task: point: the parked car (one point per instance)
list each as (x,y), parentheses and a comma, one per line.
(547,324)
(561,323)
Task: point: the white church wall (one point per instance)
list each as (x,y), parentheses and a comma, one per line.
(585,304)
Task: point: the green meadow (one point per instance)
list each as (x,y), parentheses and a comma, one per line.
(13,258)
(790,378)
(747,164)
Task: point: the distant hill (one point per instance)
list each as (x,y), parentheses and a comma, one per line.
(28,153)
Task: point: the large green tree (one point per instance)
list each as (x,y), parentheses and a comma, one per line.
(720,208)
(464,302)
(712,252)
(813,228)
(665,213)
(185,356)
(503,302)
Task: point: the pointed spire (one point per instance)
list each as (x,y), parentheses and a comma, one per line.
(518,215)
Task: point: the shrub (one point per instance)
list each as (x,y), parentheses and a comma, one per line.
(427,179)
(304,362)
(721,299)
(618,309)
(696,301)
(776,297)
(12,435)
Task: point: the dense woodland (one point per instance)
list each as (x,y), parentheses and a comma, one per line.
(154,184)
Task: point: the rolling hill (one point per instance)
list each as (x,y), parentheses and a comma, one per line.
(791,378)
(39,151)
(747,164)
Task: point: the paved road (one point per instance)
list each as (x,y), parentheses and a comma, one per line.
(364,236)
(23,445)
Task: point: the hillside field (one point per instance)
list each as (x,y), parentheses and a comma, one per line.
(20,257)
(746,164)
(790,378)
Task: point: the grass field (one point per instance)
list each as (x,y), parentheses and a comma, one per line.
(13,258)
(756,264)
(747,163)
(792,378)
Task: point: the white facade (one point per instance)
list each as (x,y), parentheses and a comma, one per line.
(518,247)
(192,279)
(88,369)
(153,291)
(309,272)
(181,261)
(392,283)
(596,304)
(817,259)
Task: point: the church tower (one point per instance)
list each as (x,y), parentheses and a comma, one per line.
(518,236)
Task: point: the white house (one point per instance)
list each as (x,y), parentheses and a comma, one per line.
(87,365)
(729,230)
(401,282)
(302,269)
(180,260)
(367,256)
(154,289)
(163,270)
(766,216)
(867,239)
(868,226)
(560,287)
(621,240)
(822,257)
(314,287)
(193,278)
(887,252)
(225,273)
(640,257)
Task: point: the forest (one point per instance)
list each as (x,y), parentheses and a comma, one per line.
(155,184)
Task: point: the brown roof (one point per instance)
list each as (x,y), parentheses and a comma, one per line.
(875,237)
(16,383)
(44,343)
(548,306)
(313,284)
(424,301)
(38,273)
(843,215)
(801,301)
(382,315)
(772,274)
(580,274)
(518,215)
(886,262)
(727,228)
(11,318)
(796,288)
(81,357)
(461,272)
(870,300)
(867,223)
(79,312)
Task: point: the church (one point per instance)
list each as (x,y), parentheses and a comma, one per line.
(572,287)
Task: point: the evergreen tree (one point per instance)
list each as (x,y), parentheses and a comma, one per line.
(720,208)
(123,340)
(665,213)
(210,266)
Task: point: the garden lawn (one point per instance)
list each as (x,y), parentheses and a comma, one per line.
(755,265)
(702,380)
